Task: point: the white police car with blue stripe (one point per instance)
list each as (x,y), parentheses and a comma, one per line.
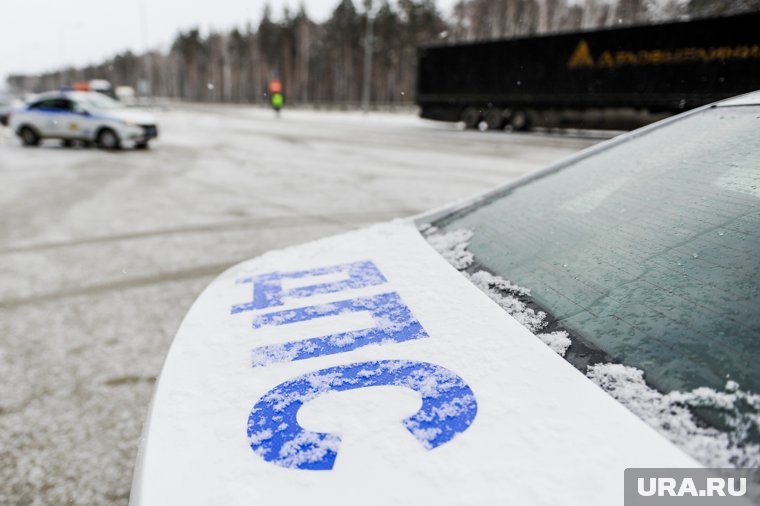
(89,117)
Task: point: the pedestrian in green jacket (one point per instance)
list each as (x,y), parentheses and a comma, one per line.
(277,102)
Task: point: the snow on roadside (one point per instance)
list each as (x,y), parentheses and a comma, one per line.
(669,414)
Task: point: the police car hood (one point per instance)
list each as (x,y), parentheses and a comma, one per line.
(364,369)
(132,116)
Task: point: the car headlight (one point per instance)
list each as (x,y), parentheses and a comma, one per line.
(130,124)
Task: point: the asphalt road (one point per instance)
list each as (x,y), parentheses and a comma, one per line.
(102,254)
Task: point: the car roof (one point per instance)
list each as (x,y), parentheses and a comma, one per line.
(76,95)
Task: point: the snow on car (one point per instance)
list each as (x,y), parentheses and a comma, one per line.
(457,358)
(89,117)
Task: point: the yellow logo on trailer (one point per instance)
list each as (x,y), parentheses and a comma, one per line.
(582,57)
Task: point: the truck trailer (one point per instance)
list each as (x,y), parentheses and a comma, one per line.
(542,80)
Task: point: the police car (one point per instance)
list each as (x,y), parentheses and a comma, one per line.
(89,117)
(526,347)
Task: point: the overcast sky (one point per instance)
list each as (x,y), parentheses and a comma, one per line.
(39,35)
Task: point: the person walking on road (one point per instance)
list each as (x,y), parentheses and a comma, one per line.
(275,91)
(277,102)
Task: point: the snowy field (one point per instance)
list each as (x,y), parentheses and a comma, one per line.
(103,253)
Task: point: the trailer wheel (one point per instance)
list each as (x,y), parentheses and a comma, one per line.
(471,117)
(494,119)
(519,120)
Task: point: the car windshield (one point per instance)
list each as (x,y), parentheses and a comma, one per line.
(101,102)
(647,252)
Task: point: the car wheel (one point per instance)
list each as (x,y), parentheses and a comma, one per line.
(494,119)
(107,139)
(471,117)
(29,137)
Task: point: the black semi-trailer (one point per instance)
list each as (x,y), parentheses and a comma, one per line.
(540,80)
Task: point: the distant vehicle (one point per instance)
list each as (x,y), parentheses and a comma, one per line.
(101,86)
(635,261)
(125,95)
(543,80)
(7,105)
(83,116)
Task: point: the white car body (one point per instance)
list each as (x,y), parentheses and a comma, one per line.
(543,433)
(82,120)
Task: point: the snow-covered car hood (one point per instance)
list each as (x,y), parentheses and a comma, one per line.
(263,398)
(131,116)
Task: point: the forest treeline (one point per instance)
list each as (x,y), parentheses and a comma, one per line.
(322,63)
